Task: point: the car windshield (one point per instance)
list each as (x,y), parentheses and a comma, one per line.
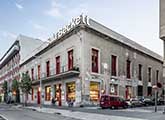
(104,98)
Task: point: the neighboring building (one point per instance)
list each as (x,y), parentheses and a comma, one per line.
(162,35)
(71,66)
(9,63)
(162,19)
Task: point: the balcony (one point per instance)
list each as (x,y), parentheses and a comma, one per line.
(64,73)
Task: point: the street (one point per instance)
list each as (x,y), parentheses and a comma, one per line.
(86,113)
(12,113)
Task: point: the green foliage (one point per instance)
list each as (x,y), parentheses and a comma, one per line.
(5,86)
(15,85)
(26,83)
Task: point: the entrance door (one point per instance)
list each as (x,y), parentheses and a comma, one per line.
(58,94)
(38,97)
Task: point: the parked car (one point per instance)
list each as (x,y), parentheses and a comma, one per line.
(108,101)
(134,102)
(148,101)
(161,101)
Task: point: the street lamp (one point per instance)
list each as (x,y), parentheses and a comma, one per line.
(155,88)
(164,97)
(40,88)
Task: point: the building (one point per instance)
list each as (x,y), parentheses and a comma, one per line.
(86,59)
(162,36)
(16,54)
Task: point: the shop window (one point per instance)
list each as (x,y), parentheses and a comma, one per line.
(140,72)
(95,60)
(58,65)
(128,69)
(32,73)
(39,72)
(149,74)
(113,65)
(70,60)
(47,93)
(47,68)
(94,91)
(71,91)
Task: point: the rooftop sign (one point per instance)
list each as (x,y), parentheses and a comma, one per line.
(74,22)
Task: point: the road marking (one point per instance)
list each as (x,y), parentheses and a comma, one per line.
(2,117)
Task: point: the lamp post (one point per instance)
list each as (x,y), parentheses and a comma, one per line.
(155,88)
(164,97)
(40,88)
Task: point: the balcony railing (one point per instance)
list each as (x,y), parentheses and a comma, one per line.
(63,71)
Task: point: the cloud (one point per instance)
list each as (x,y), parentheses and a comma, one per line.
(19,6)
(55,9)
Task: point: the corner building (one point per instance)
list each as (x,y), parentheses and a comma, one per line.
(72,66)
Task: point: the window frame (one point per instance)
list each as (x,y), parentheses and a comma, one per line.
(98,60)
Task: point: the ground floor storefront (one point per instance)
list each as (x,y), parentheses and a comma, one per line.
(81,92)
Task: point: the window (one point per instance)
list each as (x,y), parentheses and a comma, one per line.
(71,91)
(70,60)
(128,69)
(47,93)
(140,72)
(32,73)
(157,76)
(47,69)
(149,74)
(95,60)
(113,65)
(58,65)
(39,71)
(94,91)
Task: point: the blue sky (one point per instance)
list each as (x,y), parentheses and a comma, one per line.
(136,19)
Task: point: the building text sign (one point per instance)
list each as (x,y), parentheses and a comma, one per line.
(74,22)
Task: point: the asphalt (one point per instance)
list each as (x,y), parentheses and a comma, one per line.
(12,113)
(15,112)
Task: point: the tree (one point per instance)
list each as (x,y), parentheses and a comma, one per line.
(4,87)
(26,86)
(15,90)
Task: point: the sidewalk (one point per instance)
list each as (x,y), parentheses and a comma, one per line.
(80,115)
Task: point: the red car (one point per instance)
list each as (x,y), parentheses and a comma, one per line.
(108,101)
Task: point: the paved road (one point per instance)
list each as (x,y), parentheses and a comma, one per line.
(12,113)
(86,113)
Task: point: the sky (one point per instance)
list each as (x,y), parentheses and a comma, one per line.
(135,19)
